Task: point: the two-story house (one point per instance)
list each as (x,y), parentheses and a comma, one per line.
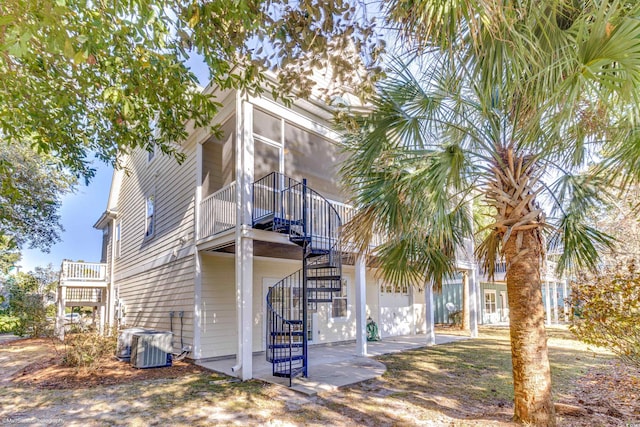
(237,250)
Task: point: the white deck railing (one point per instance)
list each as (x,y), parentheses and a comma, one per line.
(83,271)
(85,295)
(346,212)
(218,212)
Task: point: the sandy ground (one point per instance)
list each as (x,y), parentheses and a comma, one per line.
(36,390)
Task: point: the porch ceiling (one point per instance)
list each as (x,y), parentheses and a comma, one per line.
(269,249)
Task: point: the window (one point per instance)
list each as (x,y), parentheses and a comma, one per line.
(339,304)
(117,239)
(388,288)
(489,301)
(150,216)
(105,244)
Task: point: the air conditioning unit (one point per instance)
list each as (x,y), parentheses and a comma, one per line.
(151,349)
(123,350)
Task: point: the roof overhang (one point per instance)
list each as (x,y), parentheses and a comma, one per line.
(104,219)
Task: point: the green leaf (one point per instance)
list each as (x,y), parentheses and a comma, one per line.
(68,50)
(6,19)
(80,57)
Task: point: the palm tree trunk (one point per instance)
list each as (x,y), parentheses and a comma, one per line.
(531,372)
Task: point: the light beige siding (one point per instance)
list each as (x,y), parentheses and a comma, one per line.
(155,275)
(149,297)
(173,185)
(219,324)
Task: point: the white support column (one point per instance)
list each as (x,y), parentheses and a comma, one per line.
(102,315)
(198,195)
(244,244)
(430,332)
(196,351)
(547,302)
(110,306)
(479,300)
(112,277)
(412,309)
(62,292)
(565,307)
(361,306)
(473,317)
(555,302)
(465,301)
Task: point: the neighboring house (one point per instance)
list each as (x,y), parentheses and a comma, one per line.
(493,305)
(223,248)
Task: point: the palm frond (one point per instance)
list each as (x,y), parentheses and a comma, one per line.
(489,252)
(579,243)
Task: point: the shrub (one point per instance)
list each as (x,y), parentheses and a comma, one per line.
(606,310)
(7,323)
(32,317)
(88,349)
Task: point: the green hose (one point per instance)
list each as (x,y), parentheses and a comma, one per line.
(372,331)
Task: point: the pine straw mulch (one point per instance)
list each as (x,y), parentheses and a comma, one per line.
(46,371)
(611,391)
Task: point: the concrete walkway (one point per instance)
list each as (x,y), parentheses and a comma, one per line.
(335,365)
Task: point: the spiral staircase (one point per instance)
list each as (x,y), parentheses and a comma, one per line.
(284,205)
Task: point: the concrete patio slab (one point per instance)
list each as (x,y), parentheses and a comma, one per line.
(334,365)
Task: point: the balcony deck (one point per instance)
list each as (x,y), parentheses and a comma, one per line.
(217,223)
(84,283)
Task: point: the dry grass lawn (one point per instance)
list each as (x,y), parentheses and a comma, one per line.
(457,384)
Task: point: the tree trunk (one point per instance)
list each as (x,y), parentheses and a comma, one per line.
(531,372)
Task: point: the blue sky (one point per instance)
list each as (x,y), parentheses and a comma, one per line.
(80,210)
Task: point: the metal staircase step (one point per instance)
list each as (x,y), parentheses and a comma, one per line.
(320,278)
(289,374)
(328,289)
(289,359)
(281,346)
(317,252)
(322,265)
(286,333)
(299,240)
(318,300)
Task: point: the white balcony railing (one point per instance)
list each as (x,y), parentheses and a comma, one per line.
(218,212)
(85,295)
(83,271)
(346,212)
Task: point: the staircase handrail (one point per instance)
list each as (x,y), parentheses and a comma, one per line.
(289,322)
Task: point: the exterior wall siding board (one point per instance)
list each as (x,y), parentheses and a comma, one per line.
(149,288)
(451,292)
(174,187)
(219,326)
(151,296)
